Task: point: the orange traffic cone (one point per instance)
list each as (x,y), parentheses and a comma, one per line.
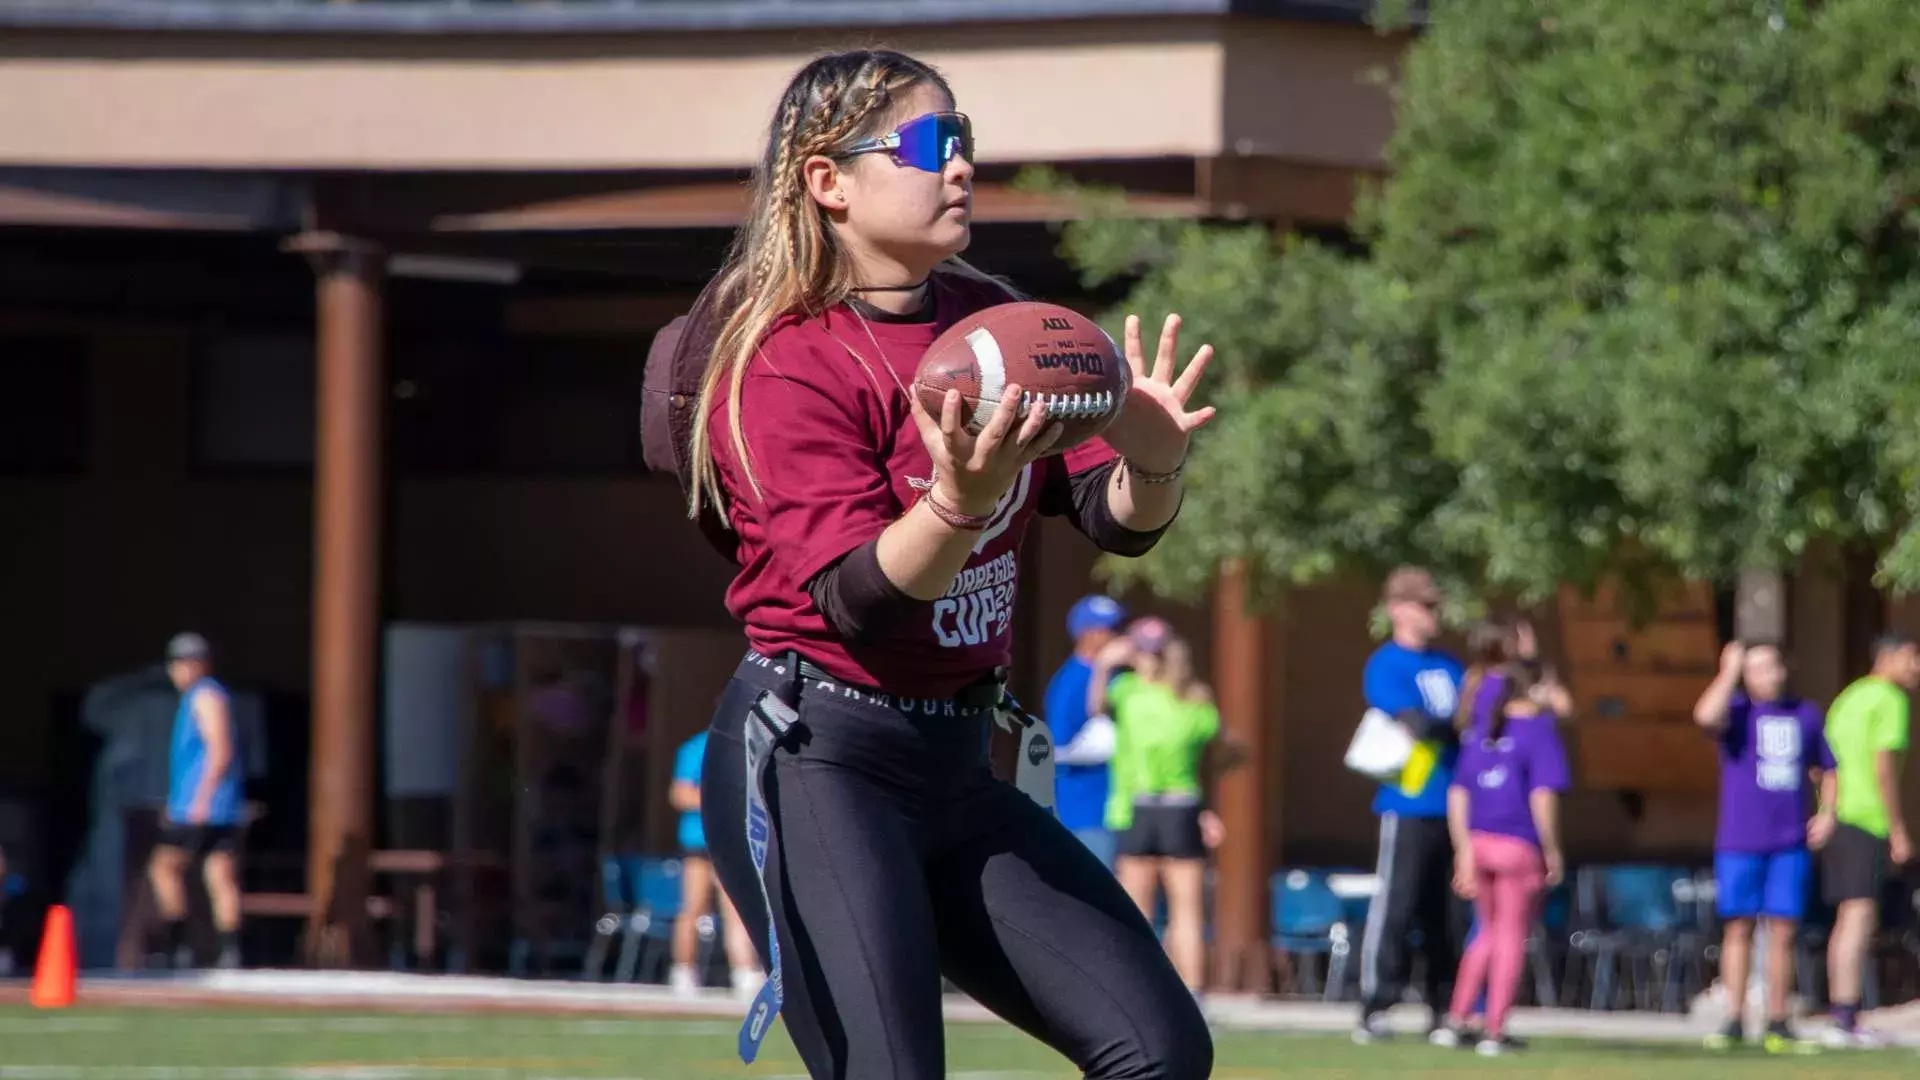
(54,976)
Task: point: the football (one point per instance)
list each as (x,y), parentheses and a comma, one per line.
(1057,357)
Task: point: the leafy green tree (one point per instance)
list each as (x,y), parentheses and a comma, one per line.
(1639,297)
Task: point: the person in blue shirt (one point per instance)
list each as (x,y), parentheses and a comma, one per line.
(1419,686)
(699,888)
(205,805)
(1084,743)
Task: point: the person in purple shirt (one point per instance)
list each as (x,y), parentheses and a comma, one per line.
(1771,744)
(1503,813)
(1494,644)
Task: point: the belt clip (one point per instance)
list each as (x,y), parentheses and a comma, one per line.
(1011,710)
(1033,771)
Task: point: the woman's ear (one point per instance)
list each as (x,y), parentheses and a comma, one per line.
(825,182)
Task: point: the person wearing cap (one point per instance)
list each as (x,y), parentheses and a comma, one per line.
(1084,741)
(1165,725)
(205,803)
(1419,686)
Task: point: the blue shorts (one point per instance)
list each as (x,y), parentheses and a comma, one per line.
(1775,884)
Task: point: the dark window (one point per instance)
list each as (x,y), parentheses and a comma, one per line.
(481,405)
(46,406)
(253,401)
(523,405)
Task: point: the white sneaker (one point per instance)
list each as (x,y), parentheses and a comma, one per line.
(1868,1039)
(1371,1029)
(1834,1038)
(746,982)
(1444,1037)
(682,980)
(1493,1048)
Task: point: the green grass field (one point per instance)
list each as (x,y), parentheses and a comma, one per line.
(166,1044)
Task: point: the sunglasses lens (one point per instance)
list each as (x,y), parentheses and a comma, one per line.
(929,142)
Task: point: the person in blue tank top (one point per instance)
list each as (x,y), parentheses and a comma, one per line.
(205,804)
(1418,685)
(699,888)
(1085,741)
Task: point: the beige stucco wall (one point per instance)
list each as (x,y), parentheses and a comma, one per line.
(1037,92)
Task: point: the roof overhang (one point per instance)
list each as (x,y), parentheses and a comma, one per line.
(434,17)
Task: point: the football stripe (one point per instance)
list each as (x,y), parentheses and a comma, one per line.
(993,375)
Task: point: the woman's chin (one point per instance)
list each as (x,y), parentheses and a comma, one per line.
(930,249)
(954,235)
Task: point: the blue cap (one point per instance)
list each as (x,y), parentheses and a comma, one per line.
(1092,613)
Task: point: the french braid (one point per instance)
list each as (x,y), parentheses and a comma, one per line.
(784,257)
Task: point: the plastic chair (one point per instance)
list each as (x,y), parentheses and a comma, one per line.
(657,895)
(1549,934)
(1310,920)
(1645,919)
(616,901)
(1354,911)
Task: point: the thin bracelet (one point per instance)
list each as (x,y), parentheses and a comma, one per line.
(956,519)
(1145,477)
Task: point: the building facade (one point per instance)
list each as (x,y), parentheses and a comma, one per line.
(323,316)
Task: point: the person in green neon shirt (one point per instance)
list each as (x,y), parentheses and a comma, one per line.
(1867,730)
(1164,722)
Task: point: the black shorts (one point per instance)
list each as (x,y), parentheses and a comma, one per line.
(895,858)
(1852,865)
(200,840)
(1164,832)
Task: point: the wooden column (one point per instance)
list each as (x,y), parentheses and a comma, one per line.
(347,485)
(1240,889)
(1817,624)
(1760,606)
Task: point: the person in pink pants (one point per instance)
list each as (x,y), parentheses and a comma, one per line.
(1503,812)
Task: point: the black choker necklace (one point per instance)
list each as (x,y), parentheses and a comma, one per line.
(915,287)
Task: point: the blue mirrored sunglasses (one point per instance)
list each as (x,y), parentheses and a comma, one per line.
(926,143)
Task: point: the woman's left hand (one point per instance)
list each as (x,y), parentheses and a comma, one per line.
(1212,832)
(1154,426)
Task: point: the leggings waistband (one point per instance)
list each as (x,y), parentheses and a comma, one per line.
(977,699)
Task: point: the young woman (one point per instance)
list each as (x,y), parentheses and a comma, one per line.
(698,885)
(1164,723)
(1493,644)
(849,804)
(1503,813)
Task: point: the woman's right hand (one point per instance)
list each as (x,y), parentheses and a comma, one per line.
(1213,832)
(1556,865)
(1464,881)
(972,472)
(1732,658)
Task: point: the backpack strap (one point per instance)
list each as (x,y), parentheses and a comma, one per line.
(669,395)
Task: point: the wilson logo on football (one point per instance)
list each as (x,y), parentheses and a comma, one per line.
(1079,363)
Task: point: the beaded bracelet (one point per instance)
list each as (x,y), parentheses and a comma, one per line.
(956,519)
(1145,477)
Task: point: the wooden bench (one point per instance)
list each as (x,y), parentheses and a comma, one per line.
(424,866)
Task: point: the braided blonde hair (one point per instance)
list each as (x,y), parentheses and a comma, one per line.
(785,257)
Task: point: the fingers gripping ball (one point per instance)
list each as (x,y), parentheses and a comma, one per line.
(1057,357)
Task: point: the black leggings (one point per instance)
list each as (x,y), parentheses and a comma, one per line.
(897,858)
